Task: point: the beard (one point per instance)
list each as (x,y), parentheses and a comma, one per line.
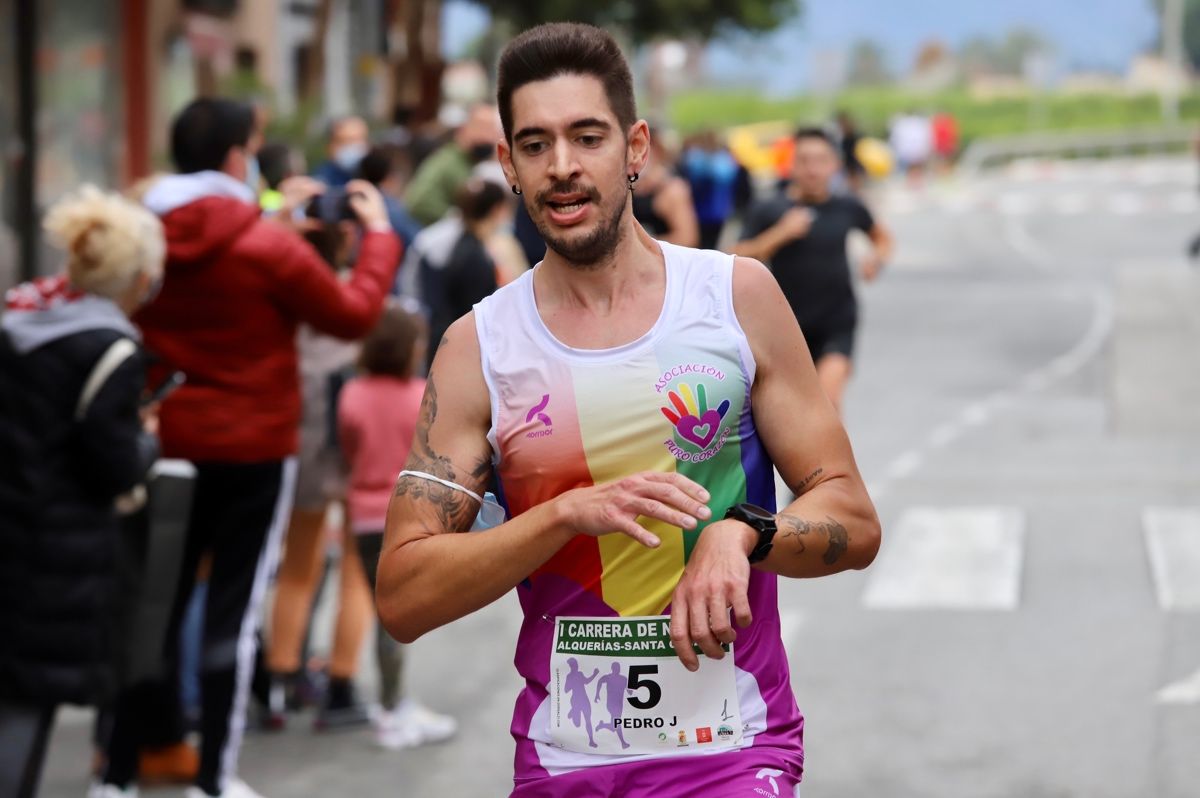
(590,250)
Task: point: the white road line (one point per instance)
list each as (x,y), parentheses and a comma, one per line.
(1173,546)
(1016,203)
(1023,244)
(905,464)
(980,412)
(1126,204)
(950,558)
(1184,691)
(1071,203)
(1183,202)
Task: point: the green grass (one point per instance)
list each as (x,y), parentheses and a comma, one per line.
(873,108)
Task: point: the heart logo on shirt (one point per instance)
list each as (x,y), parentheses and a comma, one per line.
(694,420)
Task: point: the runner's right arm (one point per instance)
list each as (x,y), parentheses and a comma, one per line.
(793,224)
(429,576)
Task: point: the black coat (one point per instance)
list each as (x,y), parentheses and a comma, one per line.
(58,529)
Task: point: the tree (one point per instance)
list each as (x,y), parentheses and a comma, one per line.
(931,55)
(643,21)
(1018,46)
(868,65)
(978,55)
(1007,56)
(1191,29)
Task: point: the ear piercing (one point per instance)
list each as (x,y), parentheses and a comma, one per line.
(516,190)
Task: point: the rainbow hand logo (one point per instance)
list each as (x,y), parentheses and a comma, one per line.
(693,419)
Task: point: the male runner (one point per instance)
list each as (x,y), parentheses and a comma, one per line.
(626,394)
(801,234)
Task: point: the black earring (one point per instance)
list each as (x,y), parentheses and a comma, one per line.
(633,178)
(516,190)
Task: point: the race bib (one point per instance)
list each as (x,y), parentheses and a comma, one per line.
(617,687)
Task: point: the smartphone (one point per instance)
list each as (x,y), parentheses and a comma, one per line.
(332,207)
(165,388)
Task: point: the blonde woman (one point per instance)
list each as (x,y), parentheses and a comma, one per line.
(71,381)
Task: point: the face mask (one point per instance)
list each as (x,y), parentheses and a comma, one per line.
(253,174)
(348,156)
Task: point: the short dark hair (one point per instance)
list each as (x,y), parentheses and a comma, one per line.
(565,48)
(815,133)
(477,198)
(275,163)
(379,163)
(206,130)
(390,348)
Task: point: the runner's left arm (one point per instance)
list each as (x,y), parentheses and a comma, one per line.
(881,253)
(830,527)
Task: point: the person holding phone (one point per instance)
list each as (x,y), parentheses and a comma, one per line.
(236,288)
(71,377)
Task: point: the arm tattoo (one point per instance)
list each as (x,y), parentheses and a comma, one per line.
(796,528)
(804,483)
(440,509)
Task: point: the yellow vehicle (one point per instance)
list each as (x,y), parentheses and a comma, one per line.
(767,149)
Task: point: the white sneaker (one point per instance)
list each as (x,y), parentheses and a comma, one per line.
(234,789)
(410,725)
(98,790)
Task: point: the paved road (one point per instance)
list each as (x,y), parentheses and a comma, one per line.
(1012,637)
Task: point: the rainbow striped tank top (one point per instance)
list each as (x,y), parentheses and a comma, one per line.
(676,399)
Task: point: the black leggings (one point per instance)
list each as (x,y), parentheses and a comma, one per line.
(239,511)
(24,734)
(389,655)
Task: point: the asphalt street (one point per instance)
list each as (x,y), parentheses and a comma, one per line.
(1025,411)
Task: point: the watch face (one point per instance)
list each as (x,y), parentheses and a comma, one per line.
(754,511)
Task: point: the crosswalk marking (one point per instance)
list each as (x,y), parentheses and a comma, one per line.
(1173,545)
(1061,203)
(1184,691)
(950,558)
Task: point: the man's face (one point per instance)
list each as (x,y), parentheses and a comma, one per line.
(352,131)
(816,164)
(482,129)
(572,160)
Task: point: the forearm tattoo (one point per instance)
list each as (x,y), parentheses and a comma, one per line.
(439,509)
(798,530)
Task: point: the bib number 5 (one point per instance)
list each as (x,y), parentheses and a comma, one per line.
(637,681)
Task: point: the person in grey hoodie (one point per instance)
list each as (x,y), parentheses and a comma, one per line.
(73,440)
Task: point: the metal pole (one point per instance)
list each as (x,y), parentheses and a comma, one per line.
(1172,37)
(26,171)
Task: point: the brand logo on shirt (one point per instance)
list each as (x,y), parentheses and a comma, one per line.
(695,422)
(538,412)
(769,774)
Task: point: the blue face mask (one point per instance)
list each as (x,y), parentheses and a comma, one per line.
(348,156)
(253,173)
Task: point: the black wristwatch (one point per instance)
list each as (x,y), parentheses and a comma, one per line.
(761,521)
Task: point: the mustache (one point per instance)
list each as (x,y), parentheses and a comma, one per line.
(565,187)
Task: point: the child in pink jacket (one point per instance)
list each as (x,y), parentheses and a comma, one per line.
(377,415)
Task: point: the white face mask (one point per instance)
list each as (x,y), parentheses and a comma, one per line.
(348,156)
